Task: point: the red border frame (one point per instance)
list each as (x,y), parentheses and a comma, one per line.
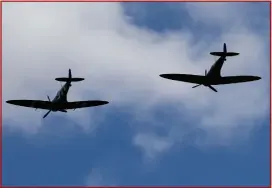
(1,114)
(137,1)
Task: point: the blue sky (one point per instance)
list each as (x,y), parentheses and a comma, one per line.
(153,131)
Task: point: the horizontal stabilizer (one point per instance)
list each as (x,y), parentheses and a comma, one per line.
(224,54)
(63,79)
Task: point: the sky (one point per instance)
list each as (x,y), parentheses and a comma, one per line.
(153,131)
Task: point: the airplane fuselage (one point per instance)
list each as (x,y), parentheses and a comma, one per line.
(215,70)
(214,73)
(61,96)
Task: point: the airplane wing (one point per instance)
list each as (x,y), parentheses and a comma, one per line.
(48,105)
(31,103)
(83,104)
(197,79)
(237,79)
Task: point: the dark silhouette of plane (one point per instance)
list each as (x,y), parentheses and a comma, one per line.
(59,103)
(213,77)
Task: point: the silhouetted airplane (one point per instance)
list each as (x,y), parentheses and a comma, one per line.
(60,102)
(213,77)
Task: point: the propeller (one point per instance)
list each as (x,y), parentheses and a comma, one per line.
(196,85)
(212,88)
(49,110)
(200,84)
(47,114)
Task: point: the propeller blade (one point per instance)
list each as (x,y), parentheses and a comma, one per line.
(212,88)
(205,72)
(48,98)
(196,86)
(47,114)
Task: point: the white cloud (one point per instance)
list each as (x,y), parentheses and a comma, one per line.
(96,178)
(152,144)
(121,64)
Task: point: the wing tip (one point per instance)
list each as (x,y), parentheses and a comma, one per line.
(13,102)
(164,75)
(105,102)
(256,78)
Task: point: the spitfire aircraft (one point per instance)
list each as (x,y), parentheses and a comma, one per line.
(59,103)
(213,77)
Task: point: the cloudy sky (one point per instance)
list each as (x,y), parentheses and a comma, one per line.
(154,131)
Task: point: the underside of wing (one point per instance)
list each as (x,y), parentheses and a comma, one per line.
(197,79)
(83,104)
(237,79)
(31,103)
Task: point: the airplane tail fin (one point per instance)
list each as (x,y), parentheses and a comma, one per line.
(70,74)
(225,53)
(69,78)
